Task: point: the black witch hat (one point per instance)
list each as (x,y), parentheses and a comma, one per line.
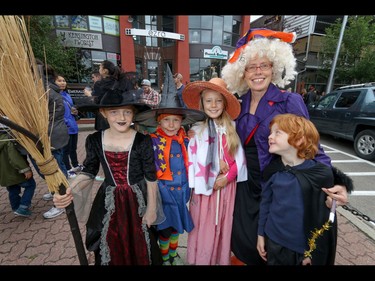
(169,104)
(117,98)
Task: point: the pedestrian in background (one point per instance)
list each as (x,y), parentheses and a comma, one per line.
(311,95)
(95,76)
(304,94)
(71,113)
(180,87)
(112,77)
(87,91)
(15,174)
(152,98)
(57,130)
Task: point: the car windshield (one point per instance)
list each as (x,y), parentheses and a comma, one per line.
(326,101)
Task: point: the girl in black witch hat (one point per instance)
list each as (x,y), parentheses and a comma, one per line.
(126,204)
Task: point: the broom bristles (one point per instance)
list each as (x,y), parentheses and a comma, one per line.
(23,98)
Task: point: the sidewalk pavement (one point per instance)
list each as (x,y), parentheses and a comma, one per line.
(39,241)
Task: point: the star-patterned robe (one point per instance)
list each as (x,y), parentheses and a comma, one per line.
(212,210)
(201,175)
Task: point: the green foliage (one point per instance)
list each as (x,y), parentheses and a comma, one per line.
(355,62)
(47,47)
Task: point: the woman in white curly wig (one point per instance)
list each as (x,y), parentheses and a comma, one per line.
(262,62)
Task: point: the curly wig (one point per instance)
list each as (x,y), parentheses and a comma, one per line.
(278,52)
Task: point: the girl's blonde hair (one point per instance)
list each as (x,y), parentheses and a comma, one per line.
(233,141)
(278,52)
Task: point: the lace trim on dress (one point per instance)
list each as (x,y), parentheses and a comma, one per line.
(141,211)
(109,204)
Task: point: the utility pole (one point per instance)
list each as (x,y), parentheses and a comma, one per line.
(333,68)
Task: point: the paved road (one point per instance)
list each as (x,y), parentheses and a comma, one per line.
(37,241)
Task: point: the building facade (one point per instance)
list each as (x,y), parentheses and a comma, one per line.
(309,29)
(196,46)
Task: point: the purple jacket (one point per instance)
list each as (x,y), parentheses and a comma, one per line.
(273,102)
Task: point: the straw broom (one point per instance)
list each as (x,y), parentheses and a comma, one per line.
(24,102)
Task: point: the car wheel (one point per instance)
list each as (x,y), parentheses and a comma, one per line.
(364,144)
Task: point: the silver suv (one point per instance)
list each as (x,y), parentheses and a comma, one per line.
(348,112)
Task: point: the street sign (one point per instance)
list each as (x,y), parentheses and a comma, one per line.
(154,33)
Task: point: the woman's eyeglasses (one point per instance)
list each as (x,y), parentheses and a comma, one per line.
(262,67)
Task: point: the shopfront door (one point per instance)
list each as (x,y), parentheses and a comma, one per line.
(152,73)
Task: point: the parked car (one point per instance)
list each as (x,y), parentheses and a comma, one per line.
(348,112)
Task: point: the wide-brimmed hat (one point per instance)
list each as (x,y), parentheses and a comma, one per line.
(169,104)
(252,33)
(116,98)
(192,95)
(189,116)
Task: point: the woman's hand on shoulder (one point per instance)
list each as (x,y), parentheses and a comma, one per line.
(337,192)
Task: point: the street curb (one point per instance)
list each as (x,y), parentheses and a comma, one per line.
(364,226)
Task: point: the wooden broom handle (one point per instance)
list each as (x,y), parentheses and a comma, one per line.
(23,131)
(72,218)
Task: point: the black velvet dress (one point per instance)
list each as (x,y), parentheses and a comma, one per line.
(114,230)
(246,211)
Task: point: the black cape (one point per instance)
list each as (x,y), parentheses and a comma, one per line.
(316,212)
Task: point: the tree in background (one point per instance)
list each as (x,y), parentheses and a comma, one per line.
(64,60)
(356,60)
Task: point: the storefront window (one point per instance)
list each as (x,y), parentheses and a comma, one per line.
(62,21)
(152,69)
(139,70)
(194,70)
(205,69)
(112,57)
(206,36)
(217,36)
(79,23)
(151,24)
(168,26)
(194,21)
(97,58)
(216,30)
(194,36)
(206,22)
